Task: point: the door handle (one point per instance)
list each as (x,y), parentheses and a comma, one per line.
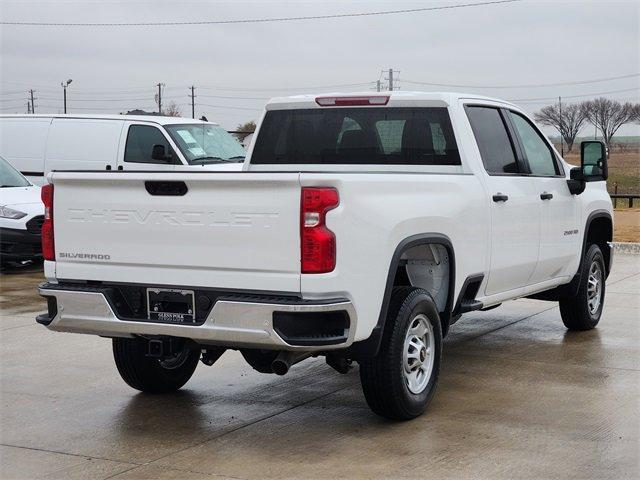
(546,196)
(500,197)
(171,189)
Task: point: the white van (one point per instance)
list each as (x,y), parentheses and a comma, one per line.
(38,144)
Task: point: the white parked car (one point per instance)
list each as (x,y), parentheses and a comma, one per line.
(38,144)
(362,227)
(21,216)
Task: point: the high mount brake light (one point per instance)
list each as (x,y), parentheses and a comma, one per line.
(317,242)
(48,248)
(352,101)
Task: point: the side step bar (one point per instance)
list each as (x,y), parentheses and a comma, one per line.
(467,299)
(469,306)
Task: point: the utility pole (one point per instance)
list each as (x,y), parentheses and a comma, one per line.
(160,98)
(378,85)
(561,123)
(28,107)
(390,79)
(193,102)
(33,107)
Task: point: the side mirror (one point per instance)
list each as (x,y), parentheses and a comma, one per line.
(159,152)
(576,182)
(593,161)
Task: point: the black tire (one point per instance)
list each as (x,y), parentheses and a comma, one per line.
(148,374)
(385,387)
(576,311)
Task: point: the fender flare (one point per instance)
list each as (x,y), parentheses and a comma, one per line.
(369,347)
(592,216)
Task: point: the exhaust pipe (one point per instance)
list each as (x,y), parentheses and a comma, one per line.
(285,360)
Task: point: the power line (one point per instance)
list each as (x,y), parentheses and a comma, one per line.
(109,109)
(255,20)
(230,107)
(284,89)
(12,107)
(140,90)
(234,98)
(102,99)
(577,96)
(539,85)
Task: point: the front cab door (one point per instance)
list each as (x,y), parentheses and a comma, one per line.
(560,237)
(145,146)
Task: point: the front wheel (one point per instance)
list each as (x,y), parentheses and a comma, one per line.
(400,381)
(583,310)
(149,374)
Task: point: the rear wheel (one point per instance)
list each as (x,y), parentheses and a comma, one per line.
(400,381)
(583,310)
(151,374)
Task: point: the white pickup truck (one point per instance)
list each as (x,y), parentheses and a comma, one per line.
(360,229)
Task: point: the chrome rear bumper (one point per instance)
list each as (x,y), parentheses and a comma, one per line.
(230,323)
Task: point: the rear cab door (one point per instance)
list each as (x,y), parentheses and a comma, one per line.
(514,203)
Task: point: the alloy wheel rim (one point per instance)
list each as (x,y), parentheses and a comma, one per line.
(418,354)
(594,288)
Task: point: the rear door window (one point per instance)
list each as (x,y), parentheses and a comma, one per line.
(357,136)
(497,151)
(140,142)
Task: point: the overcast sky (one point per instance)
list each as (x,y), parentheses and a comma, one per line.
(529,42)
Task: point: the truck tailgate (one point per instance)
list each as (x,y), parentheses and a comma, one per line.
(229,230)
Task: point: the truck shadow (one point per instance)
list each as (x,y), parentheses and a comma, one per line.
(482,381)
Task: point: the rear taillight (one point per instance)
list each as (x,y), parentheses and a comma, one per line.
(48,249)
(318,243)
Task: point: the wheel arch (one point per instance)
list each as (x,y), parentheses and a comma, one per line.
(599,230)
(370,346)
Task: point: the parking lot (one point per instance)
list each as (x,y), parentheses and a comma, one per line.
(518,396)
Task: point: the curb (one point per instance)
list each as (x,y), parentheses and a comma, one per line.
(626,248)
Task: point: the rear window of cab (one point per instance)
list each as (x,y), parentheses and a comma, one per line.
(357,136)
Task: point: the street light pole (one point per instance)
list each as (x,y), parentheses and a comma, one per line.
(64,90)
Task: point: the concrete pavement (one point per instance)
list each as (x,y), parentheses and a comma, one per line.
(519,397)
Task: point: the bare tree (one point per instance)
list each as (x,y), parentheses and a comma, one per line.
(608,116)
(636,112)
(568,123)
(172,110)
